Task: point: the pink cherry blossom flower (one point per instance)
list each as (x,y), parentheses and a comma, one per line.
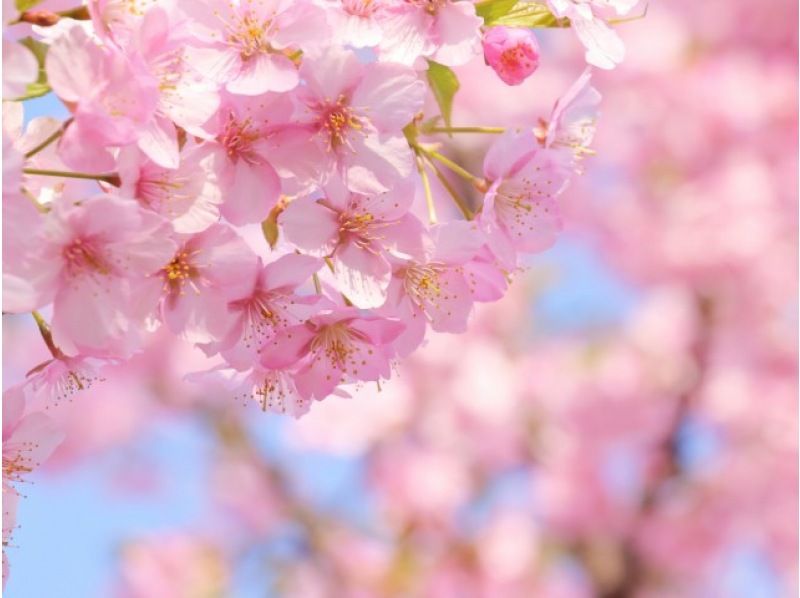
(95,258)
(189,195)
(21,222)
(63,376)
(604,48)
(430,285)
(207,271)
(248,43)
(274,391)
(443,30)
(519,210)
(338,347)
(114,97)
(356,113)
(186,98)
(355,231)
(28,439)
(19,69)
(249,131)
(512,52)
(357,23)
(267,306)
(573,121)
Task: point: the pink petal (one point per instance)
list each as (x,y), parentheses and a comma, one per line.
(310,227)
(287,348)
(458,29)
(392,93)
(362,275)
(251,193)
(290,271)
(159,140)
(262,73)
(508,152)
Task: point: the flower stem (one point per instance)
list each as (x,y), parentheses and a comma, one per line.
(489,130)
(111,179)
(48,141)
(480,184)
(426,184)
(459,201)
(47,336)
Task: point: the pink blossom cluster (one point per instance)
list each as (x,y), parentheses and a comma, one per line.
(194,122)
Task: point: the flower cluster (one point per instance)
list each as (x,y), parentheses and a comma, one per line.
(192,122)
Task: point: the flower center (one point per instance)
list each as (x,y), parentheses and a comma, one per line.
(335,342)
(421,283)
(337,120)
(430,6)
(14,467)
(179,272)
(81,256)
(238,138)
(360,8)
(515,58)
(249,34)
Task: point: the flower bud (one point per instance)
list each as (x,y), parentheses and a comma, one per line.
(512,52)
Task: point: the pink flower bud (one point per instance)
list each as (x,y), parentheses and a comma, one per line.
(512,52)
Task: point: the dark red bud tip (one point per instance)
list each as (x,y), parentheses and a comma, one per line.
(43,18)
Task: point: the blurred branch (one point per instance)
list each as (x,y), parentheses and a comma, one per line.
(669,469)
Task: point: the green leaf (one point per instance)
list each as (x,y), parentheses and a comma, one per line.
(23,5)
(444,85)
(531,15)
(270,226)
(40,86)
(491,10)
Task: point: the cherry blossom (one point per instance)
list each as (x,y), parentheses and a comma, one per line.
(512,52)
(356,231)
(356,112)
(334,348)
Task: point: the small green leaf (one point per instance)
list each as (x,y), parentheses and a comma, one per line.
(23,5)
(444,85)
(491,10)
(40,86)
(270,226)
(532,15)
